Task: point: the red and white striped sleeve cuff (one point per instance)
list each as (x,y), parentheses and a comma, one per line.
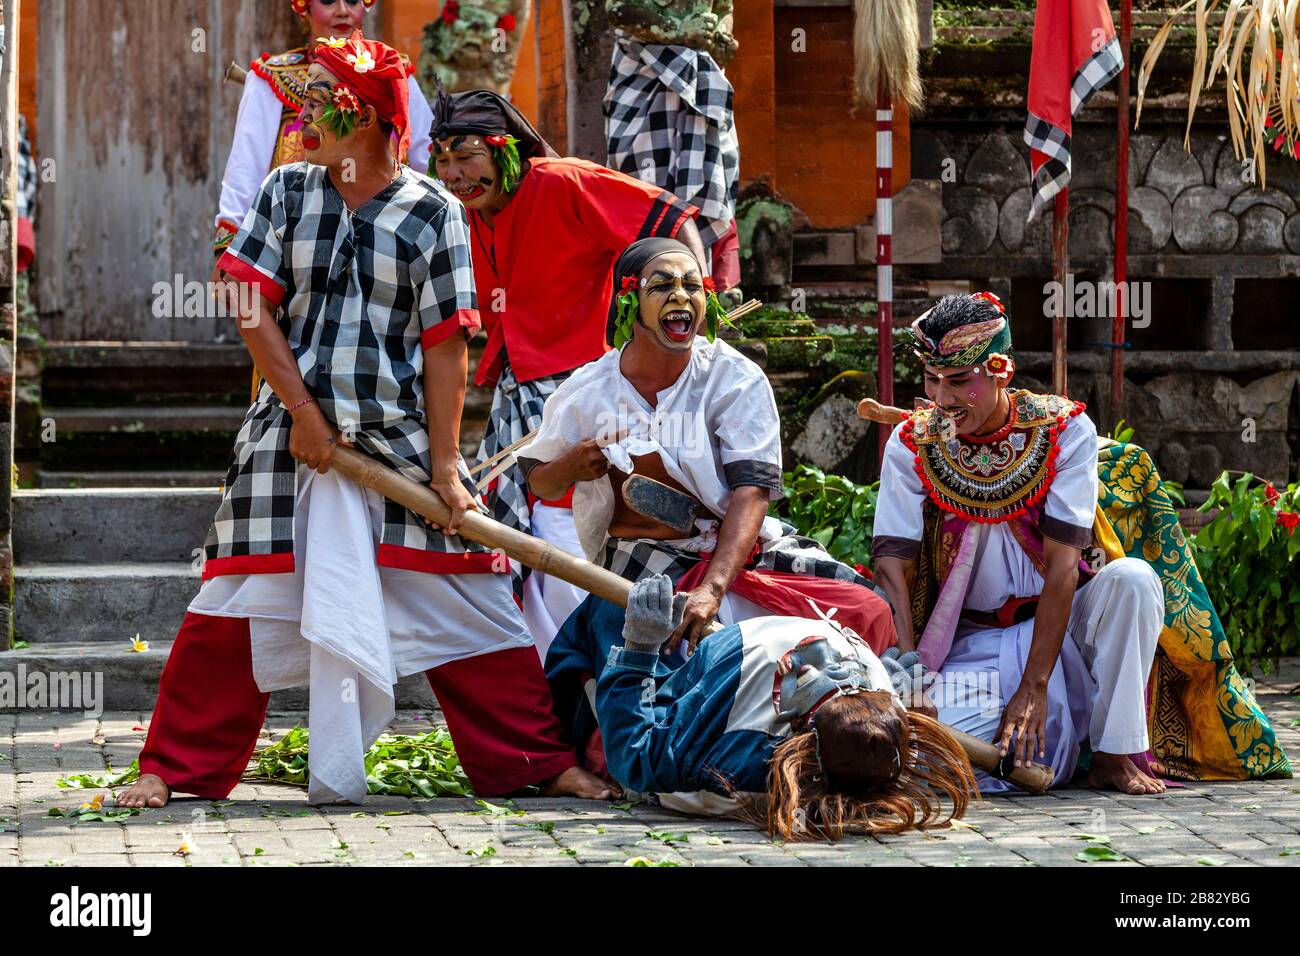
(268,287)
(467,319)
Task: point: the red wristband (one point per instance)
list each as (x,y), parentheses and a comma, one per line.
(306,401)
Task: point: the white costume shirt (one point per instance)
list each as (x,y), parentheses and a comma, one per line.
(1002,569)
(716,428)
(258,124)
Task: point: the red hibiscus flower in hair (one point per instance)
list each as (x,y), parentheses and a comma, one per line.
(1270,493)
(629,284)
(1288,520)
(450,11)
(507,22)
(346,100)
(708,284)
(992,299)
(998,364)
(496,139)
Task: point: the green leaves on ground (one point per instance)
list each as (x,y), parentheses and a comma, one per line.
(421,766)
(87,814)
(90,781)
(1100,854)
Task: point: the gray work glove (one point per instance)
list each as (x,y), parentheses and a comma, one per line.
(653,613)
(905,673)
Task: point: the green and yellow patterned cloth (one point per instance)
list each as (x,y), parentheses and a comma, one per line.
(1205,723)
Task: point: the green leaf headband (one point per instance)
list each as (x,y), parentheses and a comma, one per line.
(505,152)
(342,112)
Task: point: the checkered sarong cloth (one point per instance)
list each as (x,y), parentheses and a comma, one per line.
(26,198)
(636,558)
(668,121)
(1054,142)
(362,293)
(256,514)
(516,411)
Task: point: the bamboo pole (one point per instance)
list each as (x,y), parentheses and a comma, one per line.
(1060,273)
(545,557)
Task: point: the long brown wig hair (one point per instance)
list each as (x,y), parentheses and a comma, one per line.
(864,765)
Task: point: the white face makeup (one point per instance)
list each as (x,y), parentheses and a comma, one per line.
(466,168)
(671,301)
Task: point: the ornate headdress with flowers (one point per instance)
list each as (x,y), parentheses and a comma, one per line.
(300,6)
(979,343)
(369,73)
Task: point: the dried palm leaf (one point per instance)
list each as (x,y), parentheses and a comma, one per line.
(886,51)
(1258,52)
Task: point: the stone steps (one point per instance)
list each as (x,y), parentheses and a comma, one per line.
(137,419)
(106,602)
(129,680)
(100,525)
(49,480)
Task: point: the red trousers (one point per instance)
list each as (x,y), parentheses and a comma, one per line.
(210,712)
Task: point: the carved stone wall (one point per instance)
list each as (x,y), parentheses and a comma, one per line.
(1212,376)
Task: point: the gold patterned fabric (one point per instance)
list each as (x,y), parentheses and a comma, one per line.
(1204,721)
(286,74)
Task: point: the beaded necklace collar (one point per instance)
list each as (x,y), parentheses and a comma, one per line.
(996,477)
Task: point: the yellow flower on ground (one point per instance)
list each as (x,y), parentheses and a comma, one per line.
(94,803)
(184,849)
(138,646)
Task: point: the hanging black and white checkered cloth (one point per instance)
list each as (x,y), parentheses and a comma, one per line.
(26,174)
(668,121)
(362,294)
(1052,141)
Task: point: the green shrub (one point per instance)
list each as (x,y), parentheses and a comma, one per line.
(1247,557)
(835,512)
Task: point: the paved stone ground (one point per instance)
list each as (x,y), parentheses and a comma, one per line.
(1238,824)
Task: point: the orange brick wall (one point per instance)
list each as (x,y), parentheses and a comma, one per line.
(753,77)
(552,90)
(401,24)
(27,25)
(823,159)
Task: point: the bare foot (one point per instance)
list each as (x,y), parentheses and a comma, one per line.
(148,791)
(577,782)
(1118,772)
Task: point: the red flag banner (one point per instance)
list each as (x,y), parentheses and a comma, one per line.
(1075,54)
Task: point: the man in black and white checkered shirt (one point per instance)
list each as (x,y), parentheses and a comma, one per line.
(356,296)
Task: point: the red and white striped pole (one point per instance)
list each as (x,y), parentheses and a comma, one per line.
(884,258)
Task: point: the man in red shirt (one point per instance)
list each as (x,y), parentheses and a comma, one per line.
(545,233)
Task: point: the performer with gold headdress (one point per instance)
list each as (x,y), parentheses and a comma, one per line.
(990,500)
(267,128)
